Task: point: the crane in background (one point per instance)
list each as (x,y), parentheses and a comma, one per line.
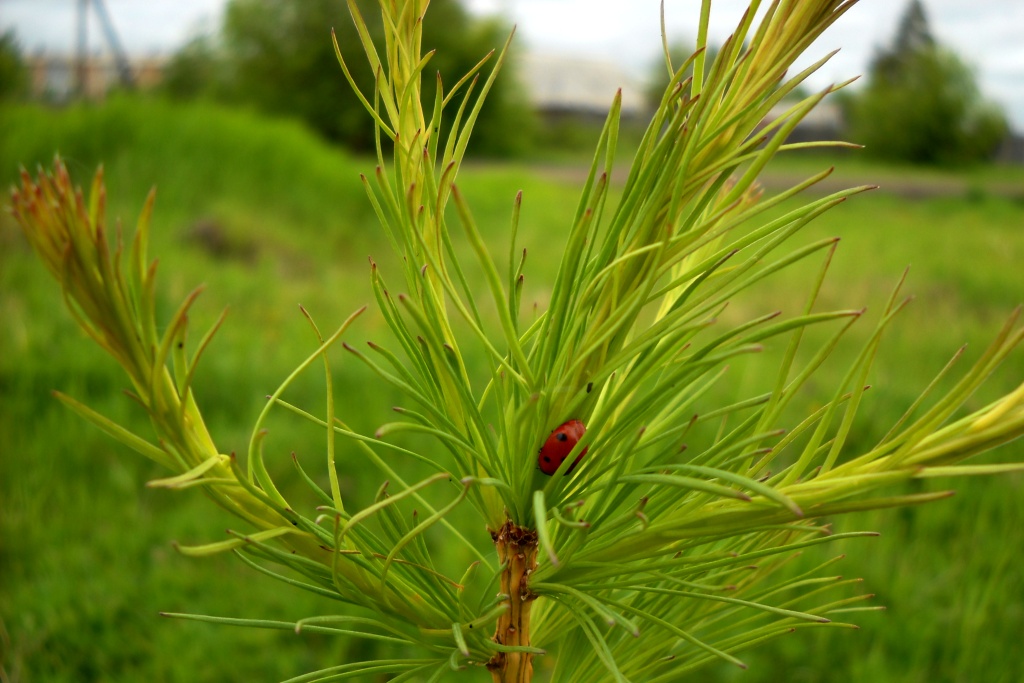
(124,71)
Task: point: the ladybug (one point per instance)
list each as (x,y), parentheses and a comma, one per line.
(559,444)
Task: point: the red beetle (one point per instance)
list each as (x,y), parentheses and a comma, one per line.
(559,444)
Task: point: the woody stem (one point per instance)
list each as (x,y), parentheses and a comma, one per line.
(517,551)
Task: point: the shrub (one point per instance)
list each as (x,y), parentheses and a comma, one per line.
(922,104)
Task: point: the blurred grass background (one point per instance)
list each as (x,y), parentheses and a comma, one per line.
(267,217)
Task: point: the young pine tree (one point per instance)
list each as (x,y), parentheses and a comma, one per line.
(641,546)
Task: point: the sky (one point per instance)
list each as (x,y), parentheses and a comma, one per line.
(987,34)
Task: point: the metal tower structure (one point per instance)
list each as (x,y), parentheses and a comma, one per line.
(124,71)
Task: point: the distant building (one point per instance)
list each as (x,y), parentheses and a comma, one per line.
(569,87)
(55,77)
(824,122)
(561,86)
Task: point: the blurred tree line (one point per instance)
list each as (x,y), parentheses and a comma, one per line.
(13,76)
(922,103)
(277,56)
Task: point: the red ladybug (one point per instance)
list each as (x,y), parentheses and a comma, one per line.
(558,446)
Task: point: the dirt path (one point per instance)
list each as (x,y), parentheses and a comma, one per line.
(909,186)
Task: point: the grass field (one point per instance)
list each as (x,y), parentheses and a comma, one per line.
(267,218)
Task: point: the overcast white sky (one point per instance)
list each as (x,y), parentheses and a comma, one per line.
(989,34)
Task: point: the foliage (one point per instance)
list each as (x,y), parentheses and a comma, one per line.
(912,35)
(643,550)
(658,77)
(13,76)
(272,54)
(922,104)
(197,70)
(72,580)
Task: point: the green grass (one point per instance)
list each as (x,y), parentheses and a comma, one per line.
(85,555)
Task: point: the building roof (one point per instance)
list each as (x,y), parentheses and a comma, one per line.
(556,82)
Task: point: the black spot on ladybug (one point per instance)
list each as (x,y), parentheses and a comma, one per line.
(561,437)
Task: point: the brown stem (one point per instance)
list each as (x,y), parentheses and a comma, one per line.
(517,549)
